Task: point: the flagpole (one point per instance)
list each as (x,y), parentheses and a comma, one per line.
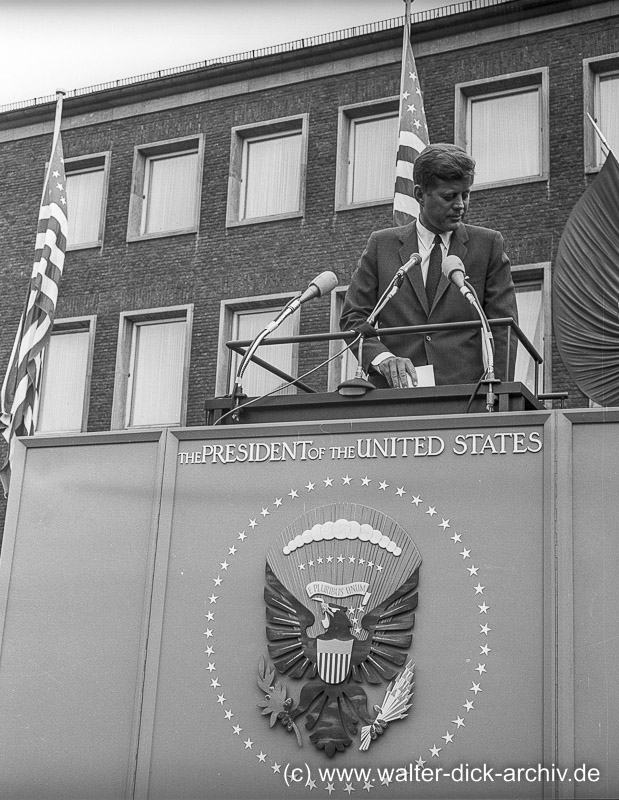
(603,139)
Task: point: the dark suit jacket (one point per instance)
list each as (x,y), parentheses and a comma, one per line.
(456,356)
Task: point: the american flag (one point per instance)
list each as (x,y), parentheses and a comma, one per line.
(19,395)
(413,135)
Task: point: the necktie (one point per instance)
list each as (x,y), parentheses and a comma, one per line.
(434,269)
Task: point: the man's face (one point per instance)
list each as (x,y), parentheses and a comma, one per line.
(443,207)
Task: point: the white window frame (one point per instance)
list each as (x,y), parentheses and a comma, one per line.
(348,115)
(540,274)
(336,367)
(227,313)
(499,86)
(137,202)
(240,136)
(66,326)
(91,163)
(593,70)
(122,388)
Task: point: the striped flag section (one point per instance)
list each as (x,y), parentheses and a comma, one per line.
(334,658)
(413,134)
(20,390)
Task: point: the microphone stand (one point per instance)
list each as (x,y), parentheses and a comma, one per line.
(487,344)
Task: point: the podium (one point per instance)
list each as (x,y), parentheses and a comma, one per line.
(147,580)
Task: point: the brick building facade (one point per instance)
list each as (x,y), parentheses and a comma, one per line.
(224,258)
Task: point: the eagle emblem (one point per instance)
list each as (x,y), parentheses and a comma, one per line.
(340,601)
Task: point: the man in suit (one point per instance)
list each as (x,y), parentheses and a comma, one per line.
(442,176)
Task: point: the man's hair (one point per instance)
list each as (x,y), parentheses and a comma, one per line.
(445,162)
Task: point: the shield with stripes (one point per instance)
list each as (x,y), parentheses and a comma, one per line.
(334,658)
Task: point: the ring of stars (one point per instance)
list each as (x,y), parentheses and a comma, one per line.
(445,528)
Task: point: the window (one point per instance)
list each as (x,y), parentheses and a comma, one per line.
(367,148)
(344,367)
(65,378)
(267,171)
(243,319)
(86,193)
(532,283)
(601,98)
(503,124)
(152,366)
(165,196)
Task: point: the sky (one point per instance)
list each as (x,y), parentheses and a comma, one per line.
(73,44)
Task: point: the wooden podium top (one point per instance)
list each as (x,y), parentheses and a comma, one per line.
(375,403)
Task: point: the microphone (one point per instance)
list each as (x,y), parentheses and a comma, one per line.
(413,261)
(322,285)
(453,270)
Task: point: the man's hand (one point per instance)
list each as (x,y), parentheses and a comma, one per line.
(397,370)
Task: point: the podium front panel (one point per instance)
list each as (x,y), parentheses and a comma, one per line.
(338,519)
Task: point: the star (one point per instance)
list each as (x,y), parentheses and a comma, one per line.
(215,684)
(293,493)
(208,633)
(479,589)
(253,523)
(213,598)
(481,668)
(209,651)
(55,174)
(310,486)
(210,616)
(473,570)
(379,568)
(483,608)
(242,536)
(217,581)
(416,500)
(459,722)
(228,715)
(329,788)
(261,756)
(465,553)
(368,785)
(484,649)
(382,485)
(449,737)
(484,629)
(276,767)
(361,560)
(420,761)
(311,783)
(431,511)
(435,751)
(328,481)
(346,482)
(365,481)
(475,688)
(319,560)
(237,730)
(351,559)
(340,559)
(278,502)
(468,705)
(456,538)
(301,566)
(349,788)
(386,780)
(248,744)
(400,491)
(211,666)
(412,109)
(232,550)
(405,95)
(265,512)
(444,524)
(370,564)
(310,563)
(329,559)
(224,565)
(221,699)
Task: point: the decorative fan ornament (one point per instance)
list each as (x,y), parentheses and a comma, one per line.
(586,289)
